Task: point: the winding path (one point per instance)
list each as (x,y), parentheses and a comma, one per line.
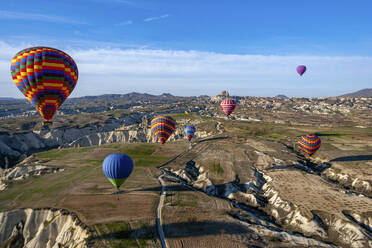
(158,213)
(159,221)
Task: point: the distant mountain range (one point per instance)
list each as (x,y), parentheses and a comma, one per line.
(7,98)
(361,93)
(132,97)
(281,96)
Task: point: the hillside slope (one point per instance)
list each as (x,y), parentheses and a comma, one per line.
(360,93)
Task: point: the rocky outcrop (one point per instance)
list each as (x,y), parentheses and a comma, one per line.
(321,105)
(349,181)
(242,197)
(39,228)
(261,195)
(220,96)
(25,169)
(343,231)
(131,128)
(15,147)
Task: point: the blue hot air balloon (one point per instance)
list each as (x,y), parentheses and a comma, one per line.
(117,168)
(190,131)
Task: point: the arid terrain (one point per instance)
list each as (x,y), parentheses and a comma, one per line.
(243,183)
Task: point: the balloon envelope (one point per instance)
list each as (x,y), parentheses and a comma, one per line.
(301,69)
(163,127)
(190,131)
(117,168)
(46,76)
(228,105)
(309,143)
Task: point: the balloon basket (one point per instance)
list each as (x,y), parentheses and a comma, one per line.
(47,123)
(119,191)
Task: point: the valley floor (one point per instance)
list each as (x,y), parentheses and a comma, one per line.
(243,186)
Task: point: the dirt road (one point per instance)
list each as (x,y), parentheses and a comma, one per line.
(158,213)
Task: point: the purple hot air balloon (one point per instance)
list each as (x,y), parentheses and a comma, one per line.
(301,69)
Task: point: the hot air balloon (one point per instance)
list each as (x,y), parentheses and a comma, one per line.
(163,127)
(190,131)
(228,105)
(309,143)
(301,69)
(117,168)
(46,76)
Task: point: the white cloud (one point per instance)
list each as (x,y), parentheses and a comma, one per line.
(156,18)
(129,22)
(36,17)
(108,70)
(76,43)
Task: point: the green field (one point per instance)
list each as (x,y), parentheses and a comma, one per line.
(83,178)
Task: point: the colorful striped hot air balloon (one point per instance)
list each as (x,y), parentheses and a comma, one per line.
(163,127)
(309,143)
(117,168)
(228,105)
(46,76)
(190,131)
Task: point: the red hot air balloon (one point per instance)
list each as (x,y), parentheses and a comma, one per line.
(228,105)
(46,76)
(301,69)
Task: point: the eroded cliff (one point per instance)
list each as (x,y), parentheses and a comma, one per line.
(39,228)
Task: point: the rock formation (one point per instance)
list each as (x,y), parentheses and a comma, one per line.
(258,200)
(39,228)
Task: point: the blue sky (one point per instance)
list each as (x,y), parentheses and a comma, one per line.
(198,47)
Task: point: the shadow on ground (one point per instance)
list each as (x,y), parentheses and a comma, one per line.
(191,228)
(327,134)
(167,188)
(304,165)
(352,158)
(212,138)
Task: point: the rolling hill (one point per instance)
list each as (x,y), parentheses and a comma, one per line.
(361,93)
